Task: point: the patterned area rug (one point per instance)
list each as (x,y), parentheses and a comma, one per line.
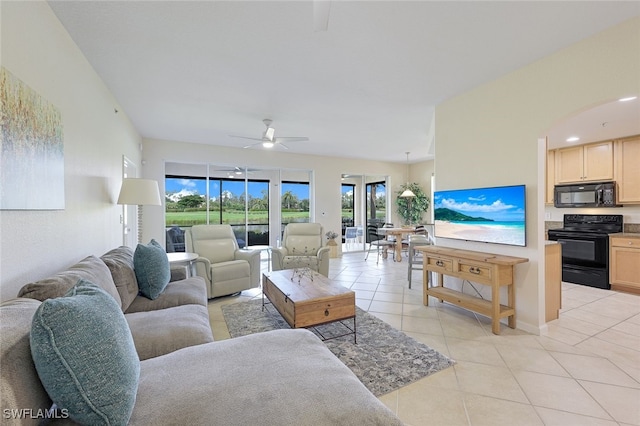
(384,359)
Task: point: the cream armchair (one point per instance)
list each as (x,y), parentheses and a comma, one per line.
(301,247)
(225,267)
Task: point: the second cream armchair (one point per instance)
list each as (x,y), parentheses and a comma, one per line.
(225,267)
(302,247)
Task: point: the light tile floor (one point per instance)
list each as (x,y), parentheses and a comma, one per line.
(584,371)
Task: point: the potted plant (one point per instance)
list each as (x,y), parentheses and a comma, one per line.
(335,249)
(410,209)
(331,238)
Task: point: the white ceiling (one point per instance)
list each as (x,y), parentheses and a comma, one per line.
(607,121)
(365,88)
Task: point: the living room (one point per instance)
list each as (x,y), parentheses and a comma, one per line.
(494,127)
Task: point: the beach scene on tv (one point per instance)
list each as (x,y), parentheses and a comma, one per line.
(492,215)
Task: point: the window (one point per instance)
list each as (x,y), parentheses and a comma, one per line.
(185,201)
(255,202)
(295,202)
(348,206)
(376,202)
(248,215)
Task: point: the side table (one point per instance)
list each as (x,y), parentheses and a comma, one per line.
(262,248)
(187,259)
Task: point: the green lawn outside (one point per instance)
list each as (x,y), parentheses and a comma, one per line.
(236,217)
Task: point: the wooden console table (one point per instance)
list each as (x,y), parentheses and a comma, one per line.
(494,270)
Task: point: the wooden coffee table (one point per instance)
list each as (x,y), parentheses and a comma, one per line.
(307,299)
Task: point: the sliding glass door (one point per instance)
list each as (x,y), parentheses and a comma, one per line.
(364,201)
(238,196)
(376,202)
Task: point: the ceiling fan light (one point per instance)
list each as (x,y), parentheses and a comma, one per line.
(407,193)
(268,144)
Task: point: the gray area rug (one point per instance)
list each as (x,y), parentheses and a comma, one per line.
(384,359)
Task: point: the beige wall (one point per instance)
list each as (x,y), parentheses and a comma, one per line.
(33,244)
(489,136)
(421,173)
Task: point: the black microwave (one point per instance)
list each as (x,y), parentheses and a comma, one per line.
(594,194)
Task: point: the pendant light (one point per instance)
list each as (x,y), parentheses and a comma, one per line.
(407,192)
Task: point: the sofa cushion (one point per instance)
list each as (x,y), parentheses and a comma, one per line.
(90,269)
(85,356)
(120,263)
(280,377)
(181,326)
(20,386)
(152,269)
(192,291)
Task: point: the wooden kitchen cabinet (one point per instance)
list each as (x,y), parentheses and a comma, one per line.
(552,280)
(585,163)
(624,262)
(627,170)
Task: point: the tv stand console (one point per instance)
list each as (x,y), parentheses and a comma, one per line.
(494,270)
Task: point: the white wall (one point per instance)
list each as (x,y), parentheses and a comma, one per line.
(34,244)
(489,136)
(327,173)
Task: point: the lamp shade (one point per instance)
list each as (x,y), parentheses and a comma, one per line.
(136,191)
(407,193)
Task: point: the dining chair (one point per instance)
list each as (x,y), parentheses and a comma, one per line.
(350,235)
(415,262)
(418,230)
(376,239)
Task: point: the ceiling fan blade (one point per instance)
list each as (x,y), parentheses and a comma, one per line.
(245,137)
(321,15)
(282,145)
(292,139)
(253,144)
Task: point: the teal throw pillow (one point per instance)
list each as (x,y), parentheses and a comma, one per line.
(83,351)
(152,269)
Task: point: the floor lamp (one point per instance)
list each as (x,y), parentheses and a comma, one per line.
(139,192)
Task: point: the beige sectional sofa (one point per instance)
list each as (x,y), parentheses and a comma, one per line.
(283,377)
(176,319)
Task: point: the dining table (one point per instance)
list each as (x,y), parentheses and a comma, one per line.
(398,233)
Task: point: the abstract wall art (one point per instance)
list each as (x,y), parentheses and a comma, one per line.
(31,154)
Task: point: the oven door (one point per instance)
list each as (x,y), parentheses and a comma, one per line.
(582,249)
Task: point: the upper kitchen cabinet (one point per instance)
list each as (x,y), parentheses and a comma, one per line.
(627,170)
(585,163)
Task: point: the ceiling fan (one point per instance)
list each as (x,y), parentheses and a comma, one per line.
(232,172)
(269,140)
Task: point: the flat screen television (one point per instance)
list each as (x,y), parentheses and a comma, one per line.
(490,215)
